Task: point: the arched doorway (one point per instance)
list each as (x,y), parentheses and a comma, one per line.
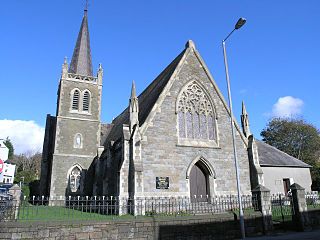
(199,179)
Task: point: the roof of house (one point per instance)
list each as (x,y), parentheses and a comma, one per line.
(146,99)
(271,156)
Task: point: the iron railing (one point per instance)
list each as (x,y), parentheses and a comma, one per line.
(313,200)
(103,208)
(282,207)
(6,204)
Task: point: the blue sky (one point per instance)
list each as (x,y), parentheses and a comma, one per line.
(273,59)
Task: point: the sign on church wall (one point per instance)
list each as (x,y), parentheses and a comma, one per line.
(162,182)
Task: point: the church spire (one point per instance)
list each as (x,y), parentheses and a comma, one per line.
(81,58)
(134,107)
(245,121)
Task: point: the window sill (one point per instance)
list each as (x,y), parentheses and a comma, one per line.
(197,143)
(82,113)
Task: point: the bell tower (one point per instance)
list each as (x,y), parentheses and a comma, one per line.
(75,137)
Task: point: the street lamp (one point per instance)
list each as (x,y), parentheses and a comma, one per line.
(238,25)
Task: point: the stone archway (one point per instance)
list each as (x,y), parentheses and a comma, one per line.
(201,180)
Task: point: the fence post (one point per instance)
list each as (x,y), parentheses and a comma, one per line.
(300,215)
(263,198)
(15,192)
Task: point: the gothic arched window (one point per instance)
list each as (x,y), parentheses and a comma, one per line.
(196,115)
(75,100)
(86,101)
(74,179)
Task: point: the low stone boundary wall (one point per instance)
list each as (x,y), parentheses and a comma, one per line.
(218,226)
(314,218)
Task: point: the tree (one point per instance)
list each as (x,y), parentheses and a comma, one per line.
(28,166)
(9,145)
(298,139)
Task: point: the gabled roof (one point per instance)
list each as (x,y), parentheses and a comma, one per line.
(146,99)
(270,156)
(81,58)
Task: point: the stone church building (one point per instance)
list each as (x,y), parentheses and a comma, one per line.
(174,139)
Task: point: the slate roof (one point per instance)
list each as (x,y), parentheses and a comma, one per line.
(81,59)
(105,130)
(146,99)
(271,156)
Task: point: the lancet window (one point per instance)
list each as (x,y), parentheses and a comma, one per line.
(86,101)
(196,115)
(75,100)
(74,179)
(77,142)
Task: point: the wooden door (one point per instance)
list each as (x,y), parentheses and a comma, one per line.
(198,184)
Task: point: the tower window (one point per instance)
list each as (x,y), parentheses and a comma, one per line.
(196,115)
(86,101)
(74,179)
(75,100)
(77,141)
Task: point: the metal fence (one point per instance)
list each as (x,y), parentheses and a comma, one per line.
(282,207)
(103,208)
(313,200)
(6,204)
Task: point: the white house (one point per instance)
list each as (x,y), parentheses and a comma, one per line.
(7,170)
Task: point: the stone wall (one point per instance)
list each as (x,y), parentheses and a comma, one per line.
(220,226)
(314,218)
(164,156)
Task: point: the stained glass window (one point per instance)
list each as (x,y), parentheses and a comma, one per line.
(189,125)
(210,127)
(74,177)
(182,129)
(196,116)
(203,127)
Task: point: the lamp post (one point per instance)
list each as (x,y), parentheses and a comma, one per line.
(238,25)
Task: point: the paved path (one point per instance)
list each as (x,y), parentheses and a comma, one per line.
(315,234)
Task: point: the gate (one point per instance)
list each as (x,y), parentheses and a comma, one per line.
(282,211)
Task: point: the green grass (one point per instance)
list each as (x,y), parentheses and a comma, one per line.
(313,207)
(51,213)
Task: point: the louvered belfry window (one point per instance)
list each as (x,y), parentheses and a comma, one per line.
(86,101)
(75,100)
(196,116)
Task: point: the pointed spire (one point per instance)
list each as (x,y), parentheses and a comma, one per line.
(81,58)
(65,68)
(245,121)
(190,44)
(100,74)
(133,90)
(134,107)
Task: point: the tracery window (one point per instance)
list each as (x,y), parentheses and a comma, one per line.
(75,100)
(74,179)
(86,101)
(196,115)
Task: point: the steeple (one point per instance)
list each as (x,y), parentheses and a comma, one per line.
(81,58)
(133,107)
(245,121)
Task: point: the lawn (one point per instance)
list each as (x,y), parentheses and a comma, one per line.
(52,213)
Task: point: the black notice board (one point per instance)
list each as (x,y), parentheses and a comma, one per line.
(162,182)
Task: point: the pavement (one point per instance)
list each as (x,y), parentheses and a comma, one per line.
(315,234)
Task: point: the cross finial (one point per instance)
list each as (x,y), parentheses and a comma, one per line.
(87,4)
